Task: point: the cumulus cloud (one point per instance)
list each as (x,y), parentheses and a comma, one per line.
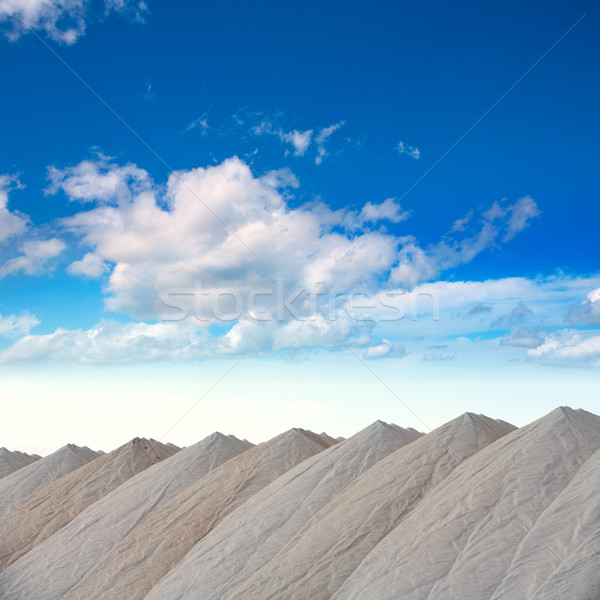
(385,349)
(225,227)
(328,329)
(588,312)
(35,257)
(569,348)
(17,325)
(91,265)
(222,234)
(109,342)
(202,227)
(62,20)
(12,224)
(98,181)
(411,151)
(389,209)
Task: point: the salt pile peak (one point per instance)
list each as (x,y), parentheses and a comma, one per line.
(461,540)
(332,544)
(66,557)
(21,484)
(55,505)
(13,460)
(237,548)
(153,548)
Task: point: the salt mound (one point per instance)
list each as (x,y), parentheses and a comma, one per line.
(153,548)
(56,504)
(461,540)
(560,557)
(21,484)
(333,543)
(237,548)
(67,556)
(11,461)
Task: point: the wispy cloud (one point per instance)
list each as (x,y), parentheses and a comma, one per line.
(200,124)
(411,151)
(300,141)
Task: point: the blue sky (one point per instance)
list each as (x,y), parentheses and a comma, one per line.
(152,152)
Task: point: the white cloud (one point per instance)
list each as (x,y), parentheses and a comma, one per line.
(35,258)
(521,214)
(172,241)
(460,224)
(62,20)
(131,342)
(98,181)
(588,312)
(523,337)
(199,124)
(109,342)
(17,325)
(91,265)
(411,151)
(385,349)
(299,140)
(323,137)
(12,224)
(569,348)
(389,209)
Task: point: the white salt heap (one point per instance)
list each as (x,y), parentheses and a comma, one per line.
(152,549)
(67,556)
(254,533)
(476,510)
(334,542)
(11,461)
(55,505)
(461,540)
(21,484)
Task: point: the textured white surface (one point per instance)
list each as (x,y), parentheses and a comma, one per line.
(475,510)
(332,544)
(152,549)
(462,539)
(254,533)
(21,484)
(65,558)
(55,505)
(560,557)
